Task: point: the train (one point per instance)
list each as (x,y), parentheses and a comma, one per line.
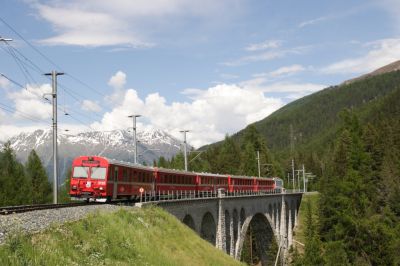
(101,179)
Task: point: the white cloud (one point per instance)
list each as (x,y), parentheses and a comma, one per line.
(268,44)
(267,55)
(91,106)
(117,81)
(30,102)
(209,115)
(282,71)
(382,53)
(301,89)
(312,21)
(121,22)
(287,70)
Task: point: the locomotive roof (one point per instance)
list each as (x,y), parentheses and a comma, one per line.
(174,171)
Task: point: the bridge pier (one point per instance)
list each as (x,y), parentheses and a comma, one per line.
(221,233)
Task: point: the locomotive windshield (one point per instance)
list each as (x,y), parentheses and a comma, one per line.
(98,173)
(80,172)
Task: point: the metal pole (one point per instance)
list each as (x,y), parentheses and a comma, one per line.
(134,140)
(258,161)
(304,179)
(54,75)
(185,148)
(134,137)
(293,173)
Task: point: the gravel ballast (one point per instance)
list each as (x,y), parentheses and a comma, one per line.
(36,221)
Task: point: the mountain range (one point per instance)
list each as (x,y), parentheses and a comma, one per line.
(117,144)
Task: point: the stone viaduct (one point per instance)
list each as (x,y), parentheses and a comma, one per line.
(225,220)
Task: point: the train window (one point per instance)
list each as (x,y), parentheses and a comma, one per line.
(80,172)
(98,173)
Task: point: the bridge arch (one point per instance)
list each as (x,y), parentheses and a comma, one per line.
(189,221)
(208,228)
(263,232)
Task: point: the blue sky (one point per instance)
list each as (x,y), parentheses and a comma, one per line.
(208,66)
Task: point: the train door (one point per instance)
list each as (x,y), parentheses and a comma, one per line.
(115,189)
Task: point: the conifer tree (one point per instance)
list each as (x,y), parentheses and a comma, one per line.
(15,188)
(162,162)
(229,157)
(41,188)
(65,187)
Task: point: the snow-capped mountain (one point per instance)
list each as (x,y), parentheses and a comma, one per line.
(117,144)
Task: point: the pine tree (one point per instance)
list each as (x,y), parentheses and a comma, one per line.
(248,162)
(229,157)
(312,251)
(15,188)
(65,187)
(41,188)
(162,162)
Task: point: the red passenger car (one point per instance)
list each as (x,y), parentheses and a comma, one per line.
(99,178)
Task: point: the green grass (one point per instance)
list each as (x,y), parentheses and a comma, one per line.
(300,228)
(147,236)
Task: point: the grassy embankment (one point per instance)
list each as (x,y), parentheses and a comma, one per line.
(298,234)
(127,237)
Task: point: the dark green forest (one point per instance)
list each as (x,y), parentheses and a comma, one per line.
(22,184)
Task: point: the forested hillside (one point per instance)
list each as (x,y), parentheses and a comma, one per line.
(349,136)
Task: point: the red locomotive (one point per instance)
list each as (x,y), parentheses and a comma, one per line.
(100,178)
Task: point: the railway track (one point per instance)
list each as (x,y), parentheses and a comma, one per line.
(27,208)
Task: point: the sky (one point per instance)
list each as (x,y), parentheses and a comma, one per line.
(211,67)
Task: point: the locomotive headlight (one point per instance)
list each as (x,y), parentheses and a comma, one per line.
(101,188)
(74,187)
